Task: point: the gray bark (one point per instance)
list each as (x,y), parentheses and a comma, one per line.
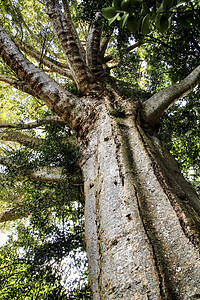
(52,64)
(19,85)
(94,59)
(155,106)
(80,72)
(142,231)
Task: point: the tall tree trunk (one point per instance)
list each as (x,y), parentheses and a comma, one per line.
(141,216)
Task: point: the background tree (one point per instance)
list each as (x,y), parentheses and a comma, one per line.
(35,260)
(141,216)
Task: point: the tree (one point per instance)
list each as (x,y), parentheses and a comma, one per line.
(141,216)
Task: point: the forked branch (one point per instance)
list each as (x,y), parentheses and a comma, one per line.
(60,101)
(76,62)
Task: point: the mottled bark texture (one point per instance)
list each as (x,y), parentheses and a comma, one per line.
(63,30)
(142,219)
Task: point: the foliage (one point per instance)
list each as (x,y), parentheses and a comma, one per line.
(140,15)
(41,244)
(180,131)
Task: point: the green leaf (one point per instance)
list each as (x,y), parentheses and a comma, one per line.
(190,18)
(180,3)
(117,4)
(184,22)
(124,19)
(132,24)
(164,22)
(161,9)
(126,5)
(113,19)
(145,10)
(157,21)
(153,16)
(145,24)
(109,12)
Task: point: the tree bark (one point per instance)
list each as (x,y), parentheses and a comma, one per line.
(156,105)
(141,216)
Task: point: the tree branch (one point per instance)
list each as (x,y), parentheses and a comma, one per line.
(19,85)
(35,124)
(155,106)
(104,43)
(46,174)
(4,161)
(55,174)
(21,138)
(52,64)
(72,27)
(93,47)
(60,101)
(13,213)
(80,72)
(129,49)
(32,51)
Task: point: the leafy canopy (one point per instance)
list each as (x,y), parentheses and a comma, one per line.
(142,16)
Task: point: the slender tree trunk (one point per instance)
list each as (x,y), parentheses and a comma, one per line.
(141,226)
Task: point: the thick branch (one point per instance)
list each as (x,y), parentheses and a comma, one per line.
(93,47)
(55,174)
(72,27)
(80,72)
(154,107)
(48,174)
(60,101)
(21,138)
(19,85)
(48,62)
(104,43)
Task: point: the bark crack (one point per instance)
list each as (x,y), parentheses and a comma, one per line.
(156,263)
(167,285)
(99,183)
(190,233)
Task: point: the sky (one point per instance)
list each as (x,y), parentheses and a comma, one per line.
(3,238)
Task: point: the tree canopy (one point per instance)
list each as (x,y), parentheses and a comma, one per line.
(146,46)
